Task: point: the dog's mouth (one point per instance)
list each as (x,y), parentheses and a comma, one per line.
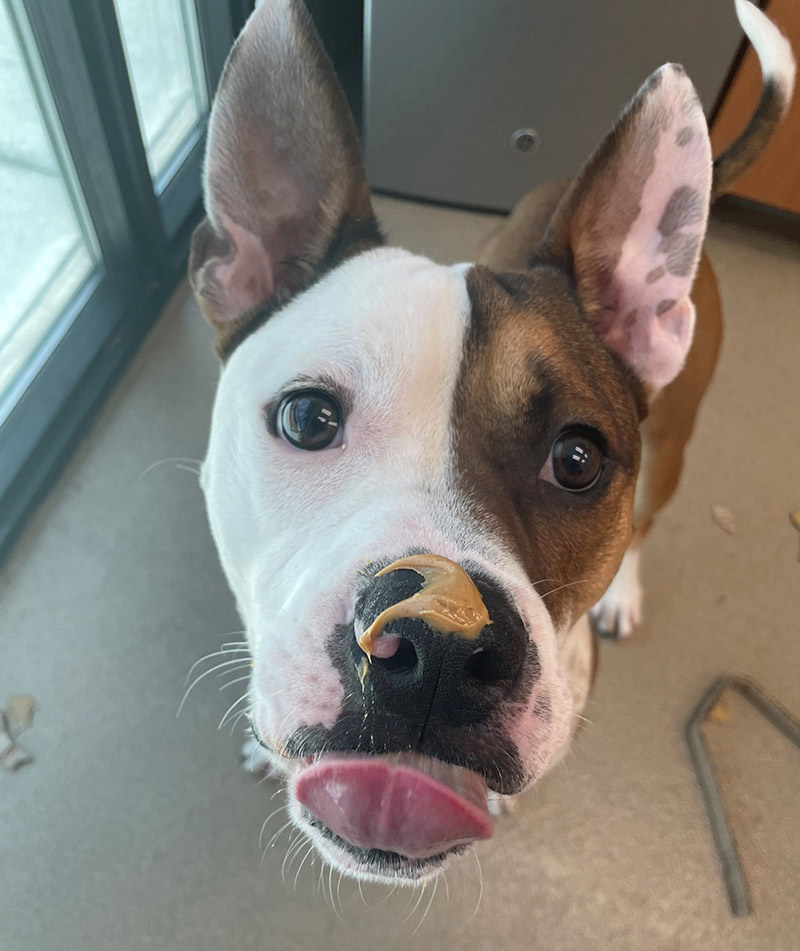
(401,814)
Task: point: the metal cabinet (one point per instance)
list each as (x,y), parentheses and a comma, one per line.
(448,83)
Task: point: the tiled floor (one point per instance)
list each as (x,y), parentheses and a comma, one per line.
(133,830)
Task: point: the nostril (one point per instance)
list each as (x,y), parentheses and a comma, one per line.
(403,659)
(486,666)
(385,646)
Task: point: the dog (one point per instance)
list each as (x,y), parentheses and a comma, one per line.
(423,481)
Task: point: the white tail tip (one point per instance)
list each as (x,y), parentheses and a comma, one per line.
(772,48)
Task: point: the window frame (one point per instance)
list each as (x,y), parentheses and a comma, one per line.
(143,236)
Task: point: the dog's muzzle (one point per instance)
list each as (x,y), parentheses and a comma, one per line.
(433,657)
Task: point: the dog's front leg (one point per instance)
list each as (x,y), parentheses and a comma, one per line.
(619,611)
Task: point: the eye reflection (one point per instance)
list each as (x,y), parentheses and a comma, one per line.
(577,460)
(310,419)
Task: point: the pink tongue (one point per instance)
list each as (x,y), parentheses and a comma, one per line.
(377,805)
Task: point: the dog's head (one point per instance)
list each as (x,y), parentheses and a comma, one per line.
(419,477)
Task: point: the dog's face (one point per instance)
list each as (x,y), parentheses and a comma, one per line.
(375,406)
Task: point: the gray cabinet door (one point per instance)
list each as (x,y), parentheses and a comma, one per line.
(448,82)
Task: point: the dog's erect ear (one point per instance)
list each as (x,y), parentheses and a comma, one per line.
(632,223)
(285,190)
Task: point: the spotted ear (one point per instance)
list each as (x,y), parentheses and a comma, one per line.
(285,191)
(631,227)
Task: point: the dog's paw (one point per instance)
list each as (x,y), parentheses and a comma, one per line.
(255,759)
(501,806)
(619,611)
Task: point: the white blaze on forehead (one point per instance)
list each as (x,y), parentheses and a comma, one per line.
(387,329)
(295,528)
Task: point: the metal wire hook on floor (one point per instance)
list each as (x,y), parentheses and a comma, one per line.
(780,718)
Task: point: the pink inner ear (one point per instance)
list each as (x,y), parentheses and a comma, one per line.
(241,281)
(647,315)
(655,348)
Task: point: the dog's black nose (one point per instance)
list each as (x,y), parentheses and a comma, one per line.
(417,669)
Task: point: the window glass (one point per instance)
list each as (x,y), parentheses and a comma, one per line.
(163,54)
(47,246)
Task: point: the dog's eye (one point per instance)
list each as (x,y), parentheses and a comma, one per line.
(576,460)
(310,419)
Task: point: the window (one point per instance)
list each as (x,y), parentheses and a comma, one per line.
(48,244)
(102,125)
(162,50)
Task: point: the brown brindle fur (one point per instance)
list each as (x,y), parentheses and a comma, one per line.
(671,415)
(532,366)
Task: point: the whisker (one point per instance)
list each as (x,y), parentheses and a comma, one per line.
(236,680)
(339,891)
(163,462)
(303,840)
(586,720)
(309,850)
(480,880)
(269,774)
(361,893)
(294,844)
(275,812)
(561,587)
(321,883)
(269,844)
(244,696)
(245,665)
(417,903)
(196,681)
(330,889)
(387,896)
(237,718)
(225,651)
(427,908)
(274,839)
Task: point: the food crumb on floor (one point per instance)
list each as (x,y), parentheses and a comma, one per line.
(794,518)
(720,712)
(15,719)
(724,518)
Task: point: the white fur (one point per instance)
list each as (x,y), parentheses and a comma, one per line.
(620,609)
(577,657)
(772,48)
(256,759)
(296,529)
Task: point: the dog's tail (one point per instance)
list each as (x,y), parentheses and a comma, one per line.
(777,68)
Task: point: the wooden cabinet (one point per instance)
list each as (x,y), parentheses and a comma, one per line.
(775,177)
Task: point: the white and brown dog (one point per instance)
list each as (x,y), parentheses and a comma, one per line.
(422,479)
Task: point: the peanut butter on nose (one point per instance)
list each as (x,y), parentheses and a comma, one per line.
(448,601)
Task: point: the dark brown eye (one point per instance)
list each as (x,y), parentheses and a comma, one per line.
(310,419)
(577,460)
